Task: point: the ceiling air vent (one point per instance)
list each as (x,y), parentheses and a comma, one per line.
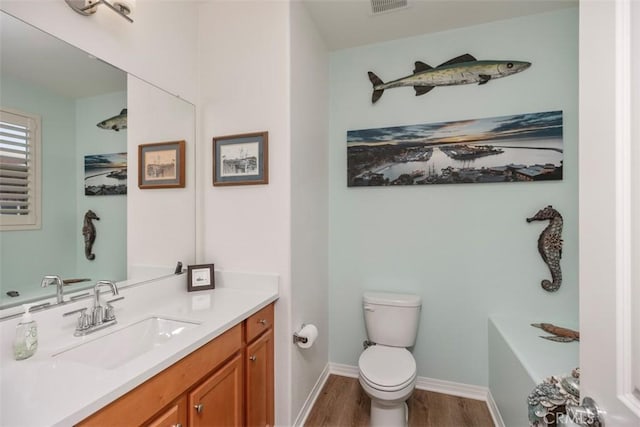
(381,6)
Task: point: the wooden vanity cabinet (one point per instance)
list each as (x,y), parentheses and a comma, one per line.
(259,369)
(226,382)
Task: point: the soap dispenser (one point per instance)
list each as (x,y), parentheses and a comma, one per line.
(26,341)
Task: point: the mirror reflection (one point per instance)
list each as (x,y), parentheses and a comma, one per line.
(82,167)
(87,182)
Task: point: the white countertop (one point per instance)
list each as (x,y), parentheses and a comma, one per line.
(47,391)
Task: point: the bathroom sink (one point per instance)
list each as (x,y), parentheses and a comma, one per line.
(123,345)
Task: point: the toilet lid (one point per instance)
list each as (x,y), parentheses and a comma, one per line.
(387,367)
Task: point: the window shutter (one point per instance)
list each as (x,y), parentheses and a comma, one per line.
(19,170)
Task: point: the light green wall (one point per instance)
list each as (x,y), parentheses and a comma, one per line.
(465,248)
(69,132)
(53,246)
(111,230)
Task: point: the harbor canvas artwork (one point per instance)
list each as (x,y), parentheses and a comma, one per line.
(516,148)
(105,174)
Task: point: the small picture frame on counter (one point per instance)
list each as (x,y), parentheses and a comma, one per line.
(200,277)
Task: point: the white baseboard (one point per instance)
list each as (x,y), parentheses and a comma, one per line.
(451,388)
(343,370)
(494,411)
(438,386)
(311,399)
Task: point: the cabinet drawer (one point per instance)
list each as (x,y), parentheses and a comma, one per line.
(259,322)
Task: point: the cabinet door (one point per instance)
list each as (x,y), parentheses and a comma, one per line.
(218,400)
(259,381)
(174,416)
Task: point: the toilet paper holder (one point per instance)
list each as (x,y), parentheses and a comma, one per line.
(297,338)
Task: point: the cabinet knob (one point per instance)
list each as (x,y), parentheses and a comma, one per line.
(262,321)
(199,407)
(253,358)
(177,425)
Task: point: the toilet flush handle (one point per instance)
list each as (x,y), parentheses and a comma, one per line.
(368,307)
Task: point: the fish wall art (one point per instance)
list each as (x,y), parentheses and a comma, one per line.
(462,70)
(116,122)
(558,333)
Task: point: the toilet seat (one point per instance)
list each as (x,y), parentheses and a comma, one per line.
(387,368)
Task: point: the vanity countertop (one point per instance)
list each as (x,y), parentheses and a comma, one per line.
(47,391)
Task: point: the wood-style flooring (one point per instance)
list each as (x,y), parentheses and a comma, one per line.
(342,402)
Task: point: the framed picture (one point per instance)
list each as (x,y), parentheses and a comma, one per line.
(105,174)
(524,147)
(241,159)
(200,277)
(161,165)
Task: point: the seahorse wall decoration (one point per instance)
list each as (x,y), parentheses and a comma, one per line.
(550,245)
(89,233)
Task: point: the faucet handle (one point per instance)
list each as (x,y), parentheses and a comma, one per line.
(110,311)
(84,321)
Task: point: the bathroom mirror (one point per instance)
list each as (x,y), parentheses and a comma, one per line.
(83,168)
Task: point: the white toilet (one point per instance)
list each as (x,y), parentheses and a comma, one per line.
(388,369)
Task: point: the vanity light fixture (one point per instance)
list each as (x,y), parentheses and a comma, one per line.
(123,8)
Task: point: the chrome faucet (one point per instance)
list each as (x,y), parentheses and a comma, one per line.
(98,313)
(100,316)
(49,280)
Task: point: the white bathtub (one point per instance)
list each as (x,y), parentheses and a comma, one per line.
(519,360)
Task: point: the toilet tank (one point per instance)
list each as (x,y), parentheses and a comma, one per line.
(392,319)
